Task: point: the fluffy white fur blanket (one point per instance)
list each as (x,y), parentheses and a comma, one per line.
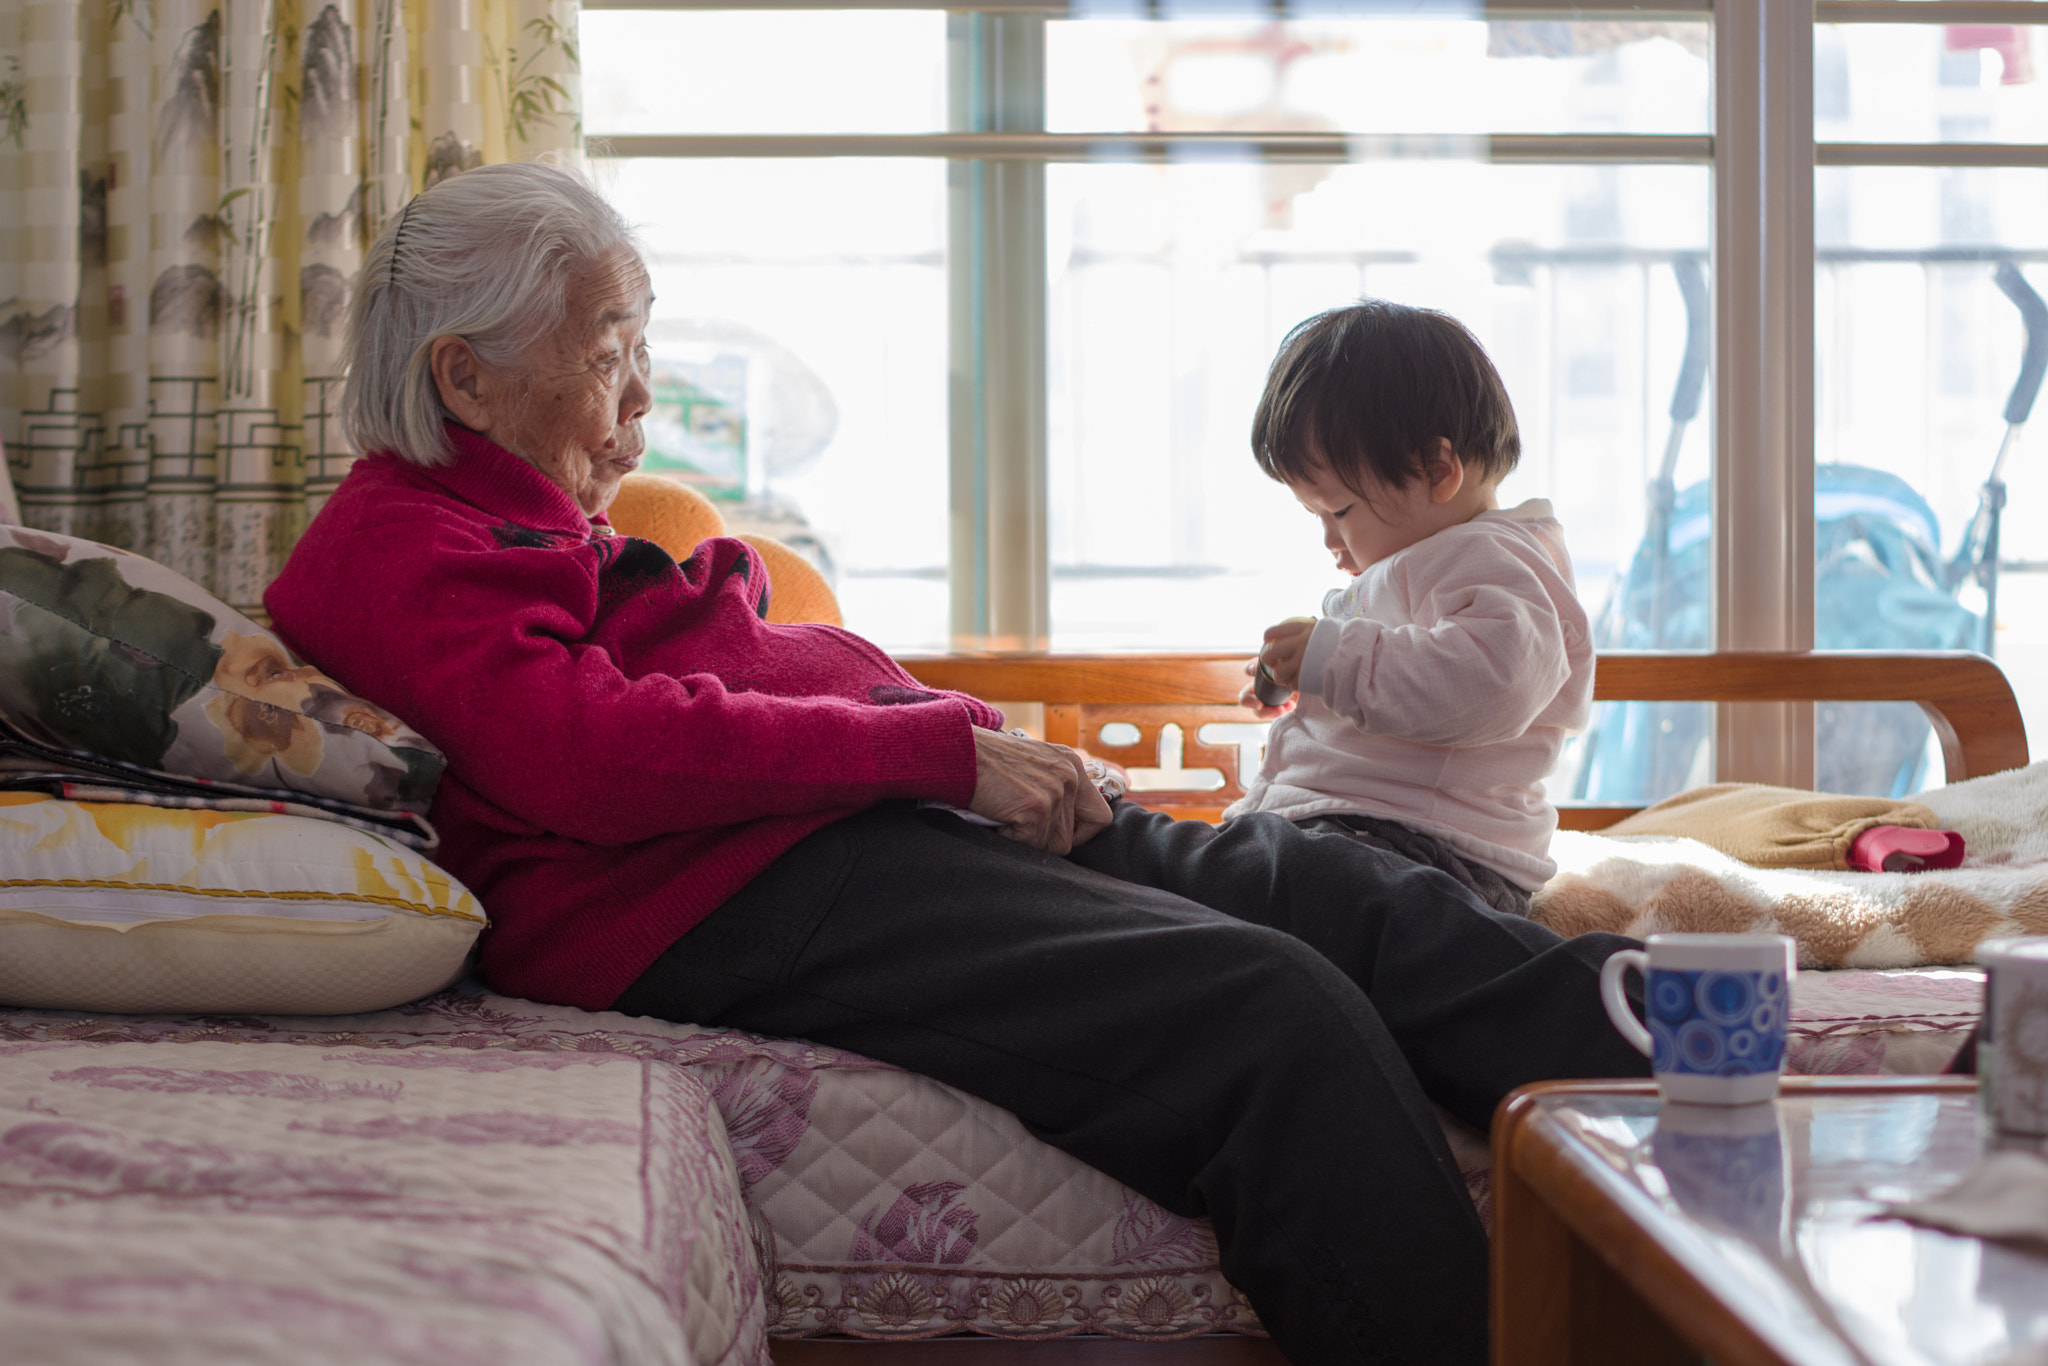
(1646,884)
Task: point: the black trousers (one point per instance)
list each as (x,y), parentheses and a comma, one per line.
(1478,879)
(1244,1022)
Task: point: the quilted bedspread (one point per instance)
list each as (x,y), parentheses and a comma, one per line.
(477,1178)
(226,1200)
(592,1187)
(1907,1022)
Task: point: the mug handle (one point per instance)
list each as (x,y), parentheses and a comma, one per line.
(1617,1005)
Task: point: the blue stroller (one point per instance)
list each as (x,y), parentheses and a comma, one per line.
(1880,583)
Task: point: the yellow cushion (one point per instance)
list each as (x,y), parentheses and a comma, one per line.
(798,592)
(678,519)
(671,514)
(117,906)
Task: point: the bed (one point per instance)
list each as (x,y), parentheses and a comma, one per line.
(472,1175)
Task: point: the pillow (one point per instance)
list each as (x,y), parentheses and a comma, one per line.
(797,591)
(665,511)
(109,661)
(1774,827)
(677,518)
(115,906)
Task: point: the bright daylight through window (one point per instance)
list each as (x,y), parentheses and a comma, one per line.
(974,307)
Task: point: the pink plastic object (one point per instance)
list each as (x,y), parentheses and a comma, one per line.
(1899,849)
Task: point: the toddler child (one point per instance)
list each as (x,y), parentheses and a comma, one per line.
(1434,693)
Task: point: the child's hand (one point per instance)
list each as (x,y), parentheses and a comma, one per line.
(1248,697)
(1284,647)
(1278,662)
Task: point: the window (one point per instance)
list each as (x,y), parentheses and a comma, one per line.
(1930,244)
(975,305)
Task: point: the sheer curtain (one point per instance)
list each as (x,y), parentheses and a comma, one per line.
(186,189)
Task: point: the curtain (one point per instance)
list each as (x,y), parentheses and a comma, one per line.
(186,190)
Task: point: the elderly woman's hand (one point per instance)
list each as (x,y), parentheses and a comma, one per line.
(1039,792)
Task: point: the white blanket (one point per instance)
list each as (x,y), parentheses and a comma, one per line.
(1644,884)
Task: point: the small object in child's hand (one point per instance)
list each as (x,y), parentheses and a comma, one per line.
(1267,689)
(1902,849)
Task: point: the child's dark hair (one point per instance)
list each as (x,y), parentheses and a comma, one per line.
(1370,387)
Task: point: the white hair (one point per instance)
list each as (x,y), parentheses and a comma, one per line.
(488,256)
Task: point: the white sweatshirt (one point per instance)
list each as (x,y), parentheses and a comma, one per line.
(1437,690)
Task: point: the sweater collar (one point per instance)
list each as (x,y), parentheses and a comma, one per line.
(1528,510)
(487,476)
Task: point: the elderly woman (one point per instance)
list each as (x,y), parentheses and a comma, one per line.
(673,807)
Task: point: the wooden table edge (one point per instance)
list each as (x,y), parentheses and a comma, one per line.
(1592,1213)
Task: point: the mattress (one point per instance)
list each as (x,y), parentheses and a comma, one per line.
(203,1196)
(1906,1021)
(595,1187)
(863,1199)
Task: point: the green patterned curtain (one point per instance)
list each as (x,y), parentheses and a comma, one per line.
(186,190)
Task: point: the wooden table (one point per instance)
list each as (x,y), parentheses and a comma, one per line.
(1630,1231)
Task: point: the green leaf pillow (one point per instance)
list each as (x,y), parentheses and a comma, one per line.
(112,665)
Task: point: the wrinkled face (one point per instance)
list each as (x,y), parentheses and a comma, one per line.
(1361,535)
(586,388)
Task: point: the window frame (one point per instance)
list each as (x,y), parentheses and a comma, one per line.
(1763,155)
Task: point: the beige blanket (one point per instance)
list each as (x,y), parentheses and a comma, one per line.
(1773,827)
(1640,885)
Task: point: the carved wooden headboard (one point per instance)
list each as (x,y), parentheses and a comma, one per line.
(1153,703)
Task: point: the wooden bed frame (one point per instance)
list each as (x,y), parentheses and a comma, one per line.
(1965,696)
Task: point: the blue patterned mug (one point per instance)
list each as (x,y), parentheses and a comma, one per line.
(1718,1007)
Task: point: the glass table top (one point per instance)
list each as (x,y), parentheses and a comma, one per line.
(1778,1210)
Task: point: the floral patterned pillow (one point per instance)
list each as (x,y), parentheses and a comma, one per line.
(107,656)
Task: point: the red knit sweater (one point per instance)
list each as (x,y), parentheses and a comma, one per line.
(628,741)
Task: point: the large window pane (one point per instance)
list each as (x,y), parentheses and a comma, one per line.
(1364,75)
(799,343)
(829,71)
(1929,83)
(1918,349)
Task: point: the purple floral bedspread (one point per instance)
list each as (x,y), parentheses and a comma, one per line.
(477,1178)
(777,1188)
(428,1186)
(1903,1020)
